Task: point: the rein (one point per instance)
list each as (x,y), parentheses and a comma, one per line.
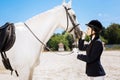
(36,37)
(42,42)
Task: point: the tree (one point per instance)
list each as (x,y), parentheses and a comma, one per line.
(112,34)
(70,40)
(102,35)
(66,39)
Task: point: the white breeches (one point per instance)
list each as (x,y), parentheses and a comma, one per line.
(97,78)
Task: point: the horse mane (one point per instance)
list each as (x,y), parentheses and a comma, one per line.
(45,20)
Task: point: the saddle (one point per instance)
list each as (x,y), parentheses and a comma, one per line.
(7,36)
(7,39)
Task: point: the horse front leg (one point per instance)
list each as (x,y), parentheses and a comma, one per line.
(31,73)
(24,73)
(36,63)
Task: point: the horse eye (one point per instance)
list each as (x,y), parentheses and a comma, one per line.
(74,16)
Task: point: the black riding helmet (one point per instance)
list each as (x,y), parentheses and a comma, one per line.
(95,25)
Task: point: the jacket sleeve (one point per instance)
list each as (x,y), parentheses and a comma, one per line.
(94,54)
(81,45)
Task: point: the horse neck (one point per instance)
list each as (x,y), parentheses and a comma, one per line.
(44,25)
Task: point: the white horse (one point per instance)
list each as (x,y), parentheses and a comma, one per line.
(25,53)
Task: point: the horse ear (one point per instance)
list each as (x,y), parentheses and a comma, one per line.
(70,3)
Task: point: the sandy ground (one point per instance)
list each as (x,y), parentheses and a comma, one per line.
(56,67)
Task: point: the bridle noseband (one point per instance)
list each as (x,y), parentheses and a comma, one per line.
(69,17)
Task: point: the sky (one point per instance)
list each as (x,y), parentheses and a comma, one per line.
(106,11)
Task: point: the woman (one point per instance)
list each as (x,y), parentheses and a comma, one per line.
(94,50)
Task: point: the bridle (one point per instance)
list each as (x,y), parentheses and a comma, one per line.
(69,17)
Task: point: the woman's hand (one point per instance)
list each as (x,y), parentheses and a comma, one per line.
(75,51)
(83,35)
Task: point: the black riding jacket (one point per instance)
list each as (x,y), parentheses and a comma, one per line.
(92,57)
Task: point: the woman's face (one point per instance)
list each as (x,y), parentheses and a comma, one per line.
(89,31)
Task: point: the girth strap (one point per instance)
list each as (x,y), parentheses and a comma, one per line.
(7,64)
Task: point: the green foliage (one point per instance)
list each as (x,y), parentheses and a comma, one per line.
(70,40)
(66,39)
(87,38)
(112,34)
(104,40)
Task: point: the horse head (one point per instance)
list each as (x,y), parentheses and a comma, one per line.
(46,23)
(72,25)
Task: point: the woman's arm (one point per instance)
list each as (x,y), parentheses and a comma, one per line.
(81,45)
(94,53)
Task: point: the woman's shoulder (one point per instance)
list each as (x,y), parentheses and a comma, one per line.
(98,41)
